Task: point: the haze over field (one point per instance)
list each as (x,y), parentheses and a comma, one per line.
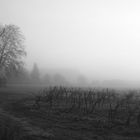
(99,39)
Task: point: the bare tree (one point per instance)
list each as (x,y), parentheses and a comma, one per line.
(11,48)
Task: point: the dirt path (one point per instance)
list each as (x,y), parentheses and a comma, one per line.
(7,97)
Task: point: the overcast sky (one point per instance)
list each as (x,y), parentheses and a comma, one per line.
(97,37)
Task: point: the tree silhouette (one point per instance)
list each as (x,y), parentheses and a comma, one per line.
(47,80)
(81,80)
(59,79)
(22,77)
(35,75)
(11,49)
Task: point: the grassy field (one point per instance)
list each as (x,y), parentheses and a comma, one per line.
(63,113)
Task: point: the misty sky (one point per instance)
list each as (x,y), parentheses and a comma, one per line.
(97,37)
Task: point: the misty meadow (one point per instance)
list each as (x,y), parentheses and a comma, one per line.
(69,70)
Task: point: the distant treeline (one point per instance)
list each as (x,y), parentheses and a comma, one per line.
(35,77)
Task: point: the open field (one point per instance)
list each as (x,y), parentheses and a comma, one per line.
(60,113)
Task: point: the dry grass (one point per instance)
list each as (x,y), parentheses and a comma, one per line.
(60,113)
(10,127)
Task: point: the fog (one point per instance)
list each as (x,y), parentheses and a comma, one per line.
(97,39)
